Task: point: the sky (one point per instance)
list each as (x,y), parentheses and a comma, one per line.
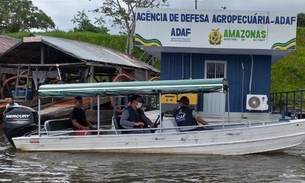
(62,12)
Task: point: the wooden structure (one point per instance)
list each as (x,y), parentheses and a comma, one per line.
(40,60)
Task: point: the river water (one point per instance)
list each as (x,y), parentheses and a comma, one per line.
(288,166)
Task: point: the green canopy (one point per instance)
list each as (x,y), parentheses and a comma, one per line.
(135,87)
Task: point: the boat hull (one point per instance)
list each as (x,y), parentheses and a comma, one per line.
(235,140)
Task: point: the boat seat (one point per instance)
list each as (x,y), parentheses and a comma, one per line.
(170,125)
(115,124)
(58,125)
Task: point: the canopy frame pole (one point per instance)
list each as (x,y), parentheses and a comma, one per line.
(41,54)
(228,105)
(39,118)
(223,113)
(160,112)
(98,115)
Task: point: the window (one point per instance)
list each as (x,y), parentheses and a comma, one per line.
(215,69)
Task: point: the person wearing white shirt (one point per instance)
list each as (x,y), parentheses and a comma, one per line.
(10,103)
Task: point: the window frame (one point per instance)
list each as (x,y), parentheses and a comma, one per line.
(215,62)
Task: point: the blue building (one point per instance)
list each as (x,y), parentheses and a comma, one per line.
(237,45)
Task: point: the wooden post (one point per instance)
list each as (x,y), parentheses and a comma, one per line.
(91,72)
(41,54)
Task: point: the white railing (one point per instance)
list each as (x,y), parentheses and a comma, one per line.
(65,132)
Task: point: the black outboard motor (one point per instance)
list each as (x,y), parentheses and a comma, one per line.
(19,120)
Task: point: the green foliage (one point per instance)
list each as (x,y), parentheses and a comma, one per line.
(18,35)
(124,15)
(84,24)
(116,42)
(301,20)
(22,15)
(288,73)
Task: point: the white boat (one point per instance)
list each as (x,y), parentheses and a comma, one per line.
(224,139)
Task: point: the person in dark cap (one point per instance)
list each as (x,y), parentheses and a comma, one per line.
(186,116)
(78,117)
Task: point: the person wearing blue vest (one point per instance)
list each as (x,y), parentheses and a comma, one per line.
(185,116)
(134,117)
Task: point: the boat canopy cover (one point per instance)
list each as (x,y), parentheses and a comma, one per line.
(135,87)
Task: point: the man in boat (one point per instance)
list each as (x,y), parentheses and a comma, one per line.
(10,103)
(79,119)
(185,116)
(134,117)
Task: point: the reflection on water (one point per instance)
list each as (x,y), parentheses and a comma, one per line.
(98,167)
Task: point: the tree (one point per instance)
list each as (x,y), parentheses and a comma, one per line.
(22,15)
(123,14)
(84,24)
(301,20)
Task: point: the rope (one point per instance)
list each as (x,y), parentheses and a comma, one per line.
(3,135)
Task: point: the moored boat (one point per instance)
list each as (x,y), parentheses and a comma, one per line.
(226,139)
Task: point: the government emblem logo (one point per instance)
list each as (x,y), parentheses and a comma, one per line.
(215,37)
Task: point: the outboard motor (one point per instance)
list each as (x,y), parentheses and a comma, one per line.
(19,120)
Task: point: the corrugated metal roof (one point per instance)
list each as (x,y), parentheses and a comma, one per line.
(6,43)
(95,53)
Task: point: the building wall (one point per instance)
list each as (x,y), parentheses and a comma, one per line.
(186,65)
